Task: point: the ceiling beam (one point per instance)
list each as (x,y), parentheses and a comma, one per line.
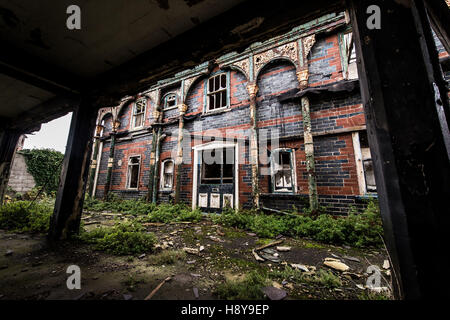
(439,14)
(29,69)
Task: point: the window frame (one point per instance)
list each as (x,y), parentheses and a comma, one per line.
(165,100)
(128,179)
(134,114)
(292,164)
(360,170)
(163,165)
(226,89)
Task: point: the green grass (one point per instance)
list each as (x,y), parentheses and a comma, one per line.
(124,238)
(168,257)
(26,216)
(247,289)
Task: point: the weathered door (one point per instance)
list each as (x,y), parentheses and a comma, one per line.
(216,179)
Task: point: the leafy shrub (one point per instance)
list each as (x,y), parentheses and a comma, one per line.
(45,167)
(123,238)
(357,229)
(248,289)
(26,216)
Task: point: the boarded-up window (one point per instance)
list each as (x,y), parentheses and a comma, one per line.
(167,175)
(217,92)
(133,172)
(282,170)
(139,113)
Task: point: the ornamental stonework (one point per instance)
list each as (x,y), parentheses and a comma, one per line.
(288,50)
(243,65)
(308,43)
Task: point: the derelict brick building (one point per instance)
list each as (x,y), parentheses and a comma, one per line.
(246,106)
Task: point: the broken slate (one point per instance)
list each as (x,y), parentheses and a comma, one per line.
(195,290)
(300,267)
(283,249)
(274,293)
(352,259)
(336,264)
(127,297)
(9,252)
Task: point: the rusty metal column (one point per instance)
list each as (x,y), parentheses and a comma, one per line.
(69,199)
(403,94)
(254,159)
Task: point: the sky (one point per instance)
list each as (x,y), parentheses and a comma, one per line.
(52,135)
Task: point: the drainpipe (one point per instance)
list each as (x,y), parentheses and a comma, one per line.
(253,90)
(93,168)
(152,165)
(182,108)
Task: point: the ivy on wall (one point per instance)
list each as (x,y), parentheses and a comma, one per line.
(45,167)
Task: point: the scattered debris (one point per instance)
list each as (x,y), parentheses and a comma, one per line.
(360,286)
(142,256)
(157,288)
(277,285)
(195,290)
(196,275)
(269,245)
(336,264)
(191,250)
(352,275)
(274,293)
(201,248)
(300,267)
(386,264)
(127,297)
(378,289)
(251,234)
(284,249)
(335,255)
(257,257)
(270,254)
(91,222)
(352,259)
(190,261)
(153,224)
(216,239)
(9,252)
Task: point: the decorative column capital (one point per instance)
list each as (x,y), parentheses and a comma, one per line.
(303,76)
(252,89)
(182,108)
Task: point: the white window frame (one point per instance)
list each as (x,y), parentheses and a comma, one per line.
(134,115)
(225,89)
(293,170)
(128,172)
(163,165)
(360,166)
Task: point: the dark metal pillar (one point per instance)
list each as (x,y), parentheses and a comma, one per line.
(69,200)
(8,143)
(110,164)
(402,97)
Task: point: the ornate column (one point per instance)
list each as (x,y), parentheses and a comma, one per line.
(303,76)
(93,168)
(182,108)
(253,90)
(116,125)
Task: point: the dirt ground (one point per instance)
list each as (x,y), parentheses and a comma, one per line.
(36,270)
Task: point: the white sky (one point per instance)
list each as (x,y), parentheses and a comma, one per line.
(52,135)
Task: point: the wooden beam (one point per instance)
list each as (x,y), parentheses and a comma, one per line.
(69,200)
(439,13)
(397,70)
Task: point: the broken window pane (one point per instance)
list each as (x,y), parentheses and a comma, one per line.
(133,172)
(167,180)
(222,168)
(282,171)
(138,113)
(369,174)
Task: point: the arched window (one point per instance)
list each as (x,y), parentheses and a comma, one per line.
(282,165)
(170,100)
(167,169)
